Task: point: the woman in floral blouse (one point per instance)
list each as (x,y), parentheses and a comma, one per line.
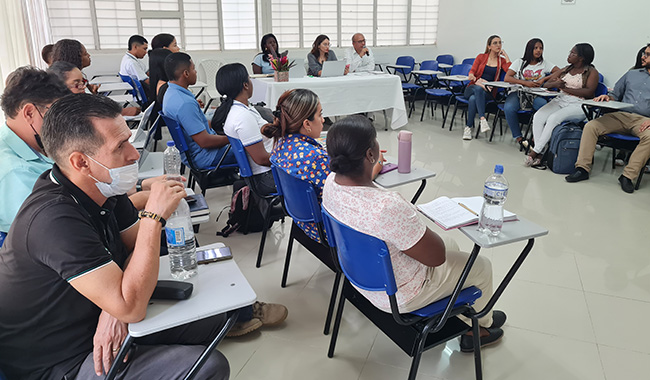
(297,124)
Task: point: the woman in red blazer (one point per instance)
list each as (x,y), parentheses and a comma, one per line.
(487,67)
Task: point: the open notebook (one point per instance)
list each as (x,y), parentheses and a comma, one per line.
(451,213)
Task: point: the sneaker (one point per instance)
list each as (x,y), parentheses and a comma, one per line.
(270,314)
(467,133)
(619,162)
(578,175)
(467,341)
(243,328)
(485,127)
(498,319)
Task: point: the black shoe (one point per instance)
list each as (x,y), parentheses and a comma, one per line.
(626,184)
(467,341)
(578,175)
(498,319)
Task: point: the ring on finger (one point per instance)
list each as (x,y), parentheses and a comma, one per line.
(116,349)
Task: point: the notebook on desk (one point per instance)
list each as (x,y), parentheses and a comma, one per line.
(450,213)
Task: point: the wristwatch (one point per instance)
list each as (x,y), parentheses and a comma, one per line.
(138,185)
(154,216)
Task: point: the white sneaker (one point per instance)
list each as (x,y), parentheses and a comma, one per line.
(485,127)
(619,162)
(467,133)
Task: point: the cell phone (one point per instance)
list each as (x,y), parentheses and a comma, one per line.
(190,199)
(387,167)
(210,255)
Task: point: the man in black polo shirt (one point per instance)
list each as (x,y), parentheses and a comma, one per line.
(78,264)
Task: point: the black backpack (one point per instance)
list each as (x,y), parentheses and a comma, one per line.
(244,215)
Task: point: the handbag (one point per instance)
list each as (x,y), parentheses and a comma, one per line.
(525,101)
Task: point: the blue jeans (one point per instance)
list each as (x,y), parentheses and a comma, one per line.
(477,98)
(511,107)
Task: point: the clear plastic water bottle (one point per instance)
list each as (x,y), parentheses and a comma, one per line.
(172,162)
(180,243)
(495,192)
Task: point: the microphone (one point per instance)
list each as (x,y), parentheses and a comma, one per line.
(368,52)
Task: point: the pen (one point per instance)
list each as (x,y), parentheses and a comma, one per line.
(467,208)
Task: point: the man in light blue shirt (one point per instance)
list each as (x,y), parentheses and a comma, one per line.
(27,96)
(205,147)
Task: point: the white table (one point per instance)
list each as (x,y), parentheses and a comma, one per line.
(152,166)
(121,98)
(588,107)
(500,84)
(114,86)
(427,72)
(393,179)
(218,288)
(445,65)
(344,95)
(105,79)
(459,78)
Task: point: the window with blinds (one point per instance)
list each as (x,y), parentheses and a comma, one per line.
(116,22)
(319,17)
(71,19)
(201,25)
(285,23)
(357,17)
(424,22)
(239,24)
(392,21)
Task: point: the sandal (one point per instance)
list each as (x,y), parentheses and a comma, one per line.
(528,161)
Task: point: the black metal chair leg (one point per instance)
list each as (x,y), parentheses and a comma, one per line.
(453,116)
(425,106)
(267,221)
(337,325)
(445,114)
(477,349)
(330,308)
(287,259)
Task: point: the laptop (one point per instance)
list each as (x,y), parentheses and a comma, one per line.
(333,69)
(298,71)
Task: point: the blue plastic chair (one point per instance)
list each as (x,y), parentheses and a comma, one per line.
(137,88)
(427,81)
(365,261)
(468,61)
(301,203)
(205,177)
(457,87)
(445,58)
(445,96)
(246,173)
(410,89)
(3,235)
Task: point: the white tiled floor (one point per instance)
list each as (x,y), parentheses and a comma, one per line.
(577,308)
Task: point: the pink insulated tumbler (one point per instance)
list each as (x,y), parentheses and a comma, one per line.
(404,139)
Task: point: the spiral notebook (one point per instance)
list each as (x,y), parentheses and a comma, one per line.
(450,213)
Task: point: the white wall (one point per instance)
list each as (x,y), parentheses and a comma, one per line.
(616,29)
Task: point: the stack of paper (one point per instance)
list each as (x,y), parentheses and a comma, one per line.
(451,213)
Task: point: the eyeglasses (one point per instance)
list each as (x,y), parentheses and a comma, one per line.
(77,84)
(645,54)
(360,42)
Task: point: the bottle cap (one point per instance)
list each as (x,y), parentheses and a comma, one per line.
(170,143)
(498,169)
(405,136)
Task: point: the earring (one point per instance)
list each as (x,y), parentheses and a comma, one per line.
(372,161)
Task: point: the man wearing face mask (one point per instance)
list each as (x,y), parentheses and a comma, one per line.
(27,97)
(78,264)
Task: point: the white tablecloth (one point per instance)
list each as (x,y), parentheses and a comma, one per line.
(346,95)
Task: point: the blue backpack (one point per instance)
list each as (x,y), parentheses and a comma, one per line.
(564,146)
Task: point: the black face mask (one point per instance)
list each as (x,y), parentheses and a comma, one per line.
(37,137)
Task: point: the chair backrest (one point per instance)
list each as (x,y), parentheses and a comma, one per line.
(300,199)
(137,87)
(445,58)
(364,259)
(176,132)
(428,65)
(405,60)
(241,156)
(601,78)
(601,89)
(461,69)
(3,235)
(207,72)
(468,61)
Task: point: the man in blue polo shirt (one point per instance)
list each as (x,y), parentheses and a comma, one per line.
(205,147)
(27,97)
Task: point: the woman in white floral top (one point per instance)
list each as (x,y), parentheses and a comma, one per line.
(426,269)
